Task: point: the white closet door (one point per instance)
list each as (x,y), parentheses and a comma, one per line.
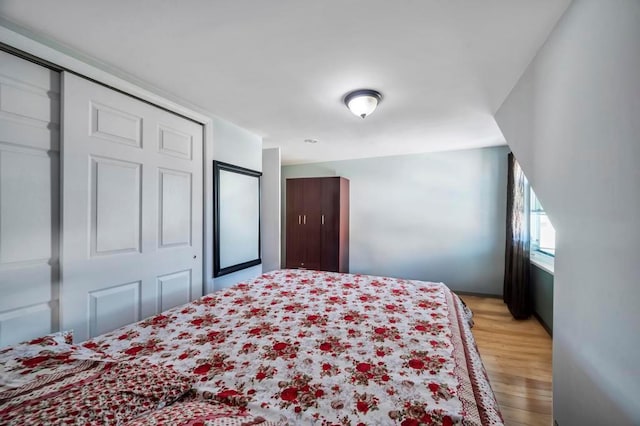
(29,190)
(131,206)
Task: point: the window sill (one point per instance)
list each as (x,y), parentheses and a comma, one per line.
(543,261)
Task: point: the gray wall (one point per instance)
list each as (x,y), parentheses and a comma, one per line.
(437,217)
(542,294)
(270,209)
(573,122)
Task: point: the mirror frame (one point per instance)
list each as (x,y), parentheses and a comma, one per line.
(217,167)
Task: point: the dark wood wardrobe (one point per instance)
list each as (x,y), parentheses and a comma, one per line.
(317,225)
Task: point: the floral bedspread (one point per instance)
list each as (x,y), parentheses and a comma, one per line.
(308,347)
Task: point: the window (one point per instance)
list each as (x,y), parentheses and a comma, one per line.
(543,235)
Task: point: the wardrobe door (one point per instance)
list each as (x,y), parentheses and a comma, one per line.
(330,222)
(29,197)
(295,236)
(311,223)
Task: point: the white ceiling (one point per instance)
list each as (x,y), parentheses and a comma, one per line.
(281,68)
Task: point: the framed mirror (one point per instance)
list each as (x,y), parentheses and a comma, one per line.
(236,218)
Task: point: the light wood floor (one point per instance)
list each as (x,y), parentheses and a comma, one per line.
(517,356)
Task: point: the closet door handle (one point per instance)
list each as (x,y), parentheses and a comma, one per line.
(304,220)
(299,219)
(322,219)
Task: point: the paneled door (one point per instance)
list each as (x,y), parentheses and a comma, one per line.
(29,192)
(131,206)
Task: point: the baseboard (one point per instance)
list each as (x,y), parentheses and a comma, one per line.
(543,324)
(471,293)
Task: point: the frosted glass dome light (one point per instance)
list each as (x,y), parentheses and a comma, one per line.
(362,102)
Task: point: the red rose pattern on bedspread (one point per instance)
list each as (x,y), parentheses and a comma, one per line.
(308,347)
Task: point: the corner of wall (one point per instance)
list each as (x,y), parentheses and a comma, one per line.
(270,206)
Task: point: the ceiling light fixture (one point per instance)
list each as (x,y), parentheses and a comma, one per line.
(311,140)
(362,102)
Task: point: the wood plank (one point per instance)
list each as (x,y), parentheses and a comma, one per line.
(517,357)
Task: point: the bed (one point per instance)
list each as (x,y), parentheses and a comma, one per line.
(307,347)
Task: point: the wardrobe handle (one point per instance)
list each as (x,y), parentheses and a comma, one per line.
(322,219)
(299,219)
(304,220)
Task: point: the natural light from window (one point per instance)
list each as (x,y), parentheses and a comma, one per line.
(543,235)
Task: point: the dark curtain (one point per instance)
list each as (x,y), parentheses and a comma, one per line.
(516,292)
